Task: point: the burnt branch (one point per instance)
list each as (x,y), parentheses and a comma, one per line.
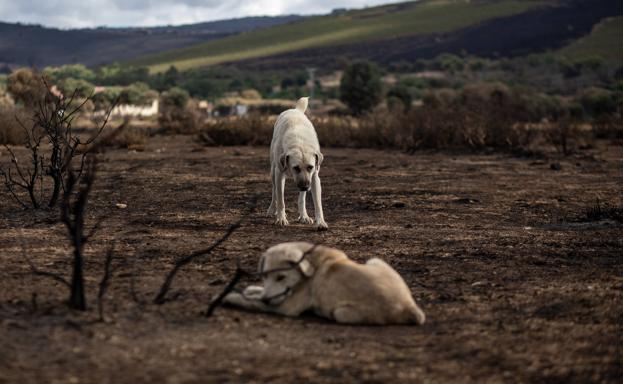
(73,216)
(231,285)
(166,285)
(52,123)
(54,276)
(105,281)
(96,227)
(36,271)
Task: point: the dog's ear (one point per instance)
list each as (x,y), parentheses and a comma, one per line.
(306,268)
(319,158)
(283,162)
(260,266)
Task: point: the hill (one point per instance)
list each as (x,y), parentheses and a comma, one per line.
(547,28)
(34,45)
(424,17)
(606,40)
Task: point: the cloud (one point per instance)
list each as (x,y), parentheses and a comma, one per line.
(120,13)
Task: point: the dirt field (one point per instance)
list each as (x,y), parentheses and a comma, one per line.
(516,284)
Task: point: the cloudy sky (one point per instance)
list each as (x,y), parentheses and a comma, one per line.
(92,13)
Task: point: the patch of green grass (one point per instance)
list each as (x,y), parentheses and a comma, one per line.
(390,21)
(606,40)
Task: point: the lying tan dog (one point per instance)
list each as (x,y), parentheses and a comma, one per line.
(299,276)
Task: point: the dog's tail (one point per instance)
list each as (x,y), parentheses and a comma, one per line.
(416,315)
(302,103)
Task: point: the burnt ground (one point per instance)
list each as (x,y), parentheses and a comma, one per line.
(517,285)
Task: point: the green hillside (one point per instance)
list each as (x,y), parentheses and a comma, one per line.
(395,20)
(606,40)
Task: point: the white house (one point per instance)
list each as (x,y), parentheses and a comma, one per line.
(136,110)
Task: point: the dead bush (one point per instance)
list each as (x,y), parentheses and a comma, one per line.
(11,132)
(608,127)
(53,146)
(336,131)
(565,135)
(131,138)
(603,211)
(480,119)
(248,130)
(180,120)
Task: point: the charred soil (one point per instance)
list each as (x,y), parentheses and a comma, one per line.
(517,281)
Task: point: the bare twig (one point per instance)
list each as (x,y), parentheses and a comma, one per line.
(133,292)
(160,298)
(103,286)
(37,272)
(97,226)
(54,276)
(240,273)
(228,288)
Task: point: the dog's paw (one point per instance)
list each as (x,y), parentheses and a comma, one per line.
(281,221)
(321,225)
(234,298)
(253,292)
(305,219)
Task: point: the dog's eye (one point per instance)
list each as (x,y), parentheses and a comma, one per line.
(280,277)
(310,167)
(297,168)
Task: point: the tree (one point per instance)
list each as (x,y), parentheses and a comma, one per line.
(175,98)
(360,87)
(449,62)
(25,86)
(117,74)
(178,113)
(138,94)
(171,77)
(597,101)
(82,87)
(400,93)
(107,97)
(74,71)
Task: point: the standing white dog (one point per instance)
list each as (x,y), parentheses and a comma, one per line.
(295,149)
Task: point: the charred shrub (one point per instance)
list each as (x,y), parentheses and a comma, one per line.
(131,138)
(566,135)
(11,132)
(248,130)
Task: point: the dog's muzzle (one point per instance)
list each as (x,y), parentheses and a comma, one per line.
(268,300)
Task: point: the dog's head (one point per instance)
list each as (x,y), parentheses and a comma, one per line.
(301,166)
(283,268)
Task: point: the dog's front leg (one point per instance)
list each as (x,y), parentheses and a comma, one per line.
(272,210)
(280,179)
(240,300)
(254,292)
(303,217)
(321,225)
